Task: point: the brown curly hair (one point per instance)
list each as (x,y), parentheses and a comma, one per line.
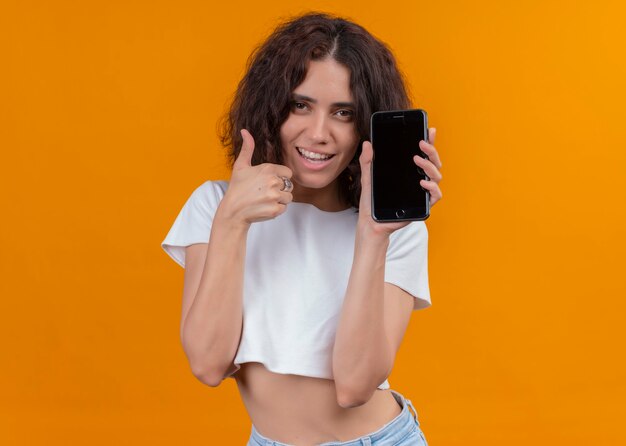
(262,101)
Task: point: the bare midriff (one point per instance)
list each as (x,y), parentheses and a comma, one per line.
(303,411)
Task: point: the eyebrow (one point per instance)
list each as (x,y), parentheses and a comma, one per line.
(301,97)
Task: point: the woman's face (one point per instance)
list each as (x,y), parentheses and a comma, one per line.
(319,136)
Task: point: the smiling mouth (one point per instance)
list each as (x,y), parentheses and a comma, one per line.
(313,156)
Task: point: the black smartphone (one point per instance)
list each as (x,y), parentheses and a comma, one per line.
(396,191)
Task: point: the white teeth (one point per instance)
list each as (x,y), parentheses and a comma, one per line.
(313,155)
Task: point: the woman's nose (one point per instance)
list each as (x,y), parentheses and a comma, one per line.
(319,131)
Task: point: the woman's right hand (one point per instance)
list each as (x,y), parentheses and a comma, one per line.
(254,192)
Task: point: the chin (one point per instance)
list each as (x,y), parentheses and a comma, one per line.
(313,184)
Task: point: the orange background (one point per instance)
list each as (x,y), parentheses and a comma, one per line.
(108,113)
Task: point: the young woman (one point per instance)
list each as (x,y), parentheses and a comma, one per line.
(290,287)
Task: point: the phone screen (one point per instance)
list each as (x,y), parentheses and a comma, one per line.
(396,191)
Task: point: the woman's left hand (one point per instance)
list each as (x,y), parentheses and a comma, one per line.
(431,166)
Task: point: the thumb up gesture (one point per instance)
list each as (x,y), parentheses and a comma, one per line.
(256,193)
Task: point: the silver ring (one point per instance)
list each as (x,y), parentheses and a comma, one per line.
(287,184)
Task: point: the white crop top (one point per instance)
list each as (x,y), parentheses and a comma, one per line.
(296,274)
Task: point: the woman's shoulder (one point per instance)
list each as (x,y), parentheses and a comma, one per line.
(413,229)
(412,237)
(210,192)
(213,186)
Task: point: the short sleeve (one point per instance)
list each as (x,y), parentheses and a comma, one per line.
(406,265)
(193,223)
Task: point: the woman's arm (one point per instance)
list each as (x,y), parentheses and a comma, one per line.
(367,339)
(211,328)
(362,353)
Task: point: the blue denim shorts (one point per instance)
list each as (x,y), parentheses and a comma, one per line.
(403,430)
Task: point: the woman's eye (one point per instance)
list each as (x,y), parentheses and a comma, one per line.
(299,105)
(345,113)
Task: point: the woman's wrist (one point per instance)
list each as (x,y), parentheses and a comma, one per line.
(225,217)
(372,235)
